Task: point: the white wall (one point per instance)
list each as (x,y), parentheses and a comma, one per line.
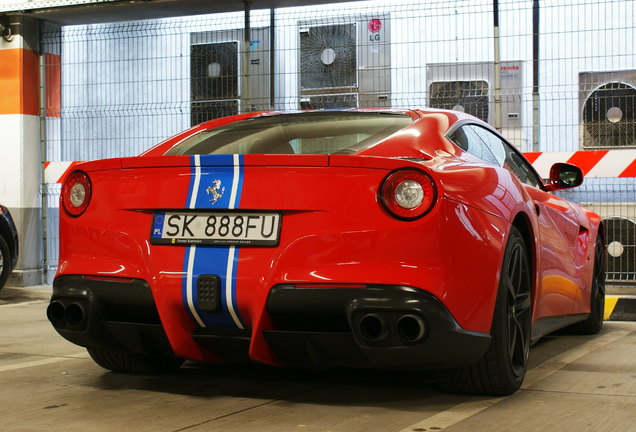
(126,86)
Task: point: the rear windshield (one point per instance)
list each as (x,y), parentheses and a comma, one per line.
(301,133)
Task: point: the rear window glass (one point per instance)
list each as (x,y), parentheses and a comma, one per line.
(302,133)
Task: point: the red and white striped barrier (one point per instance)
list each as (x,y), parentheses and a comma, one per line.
(56,172)
(600,163)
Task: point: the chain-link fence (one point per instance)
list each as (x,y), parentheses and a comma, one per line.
(552,76)
(613,199)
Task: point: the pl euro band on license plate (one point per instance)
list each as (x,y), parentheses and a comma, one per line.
(218,228)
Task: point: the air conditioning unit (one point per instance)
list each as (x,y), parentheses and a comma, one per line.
(607,120)
(619,218)
(607,107)
(217,67)
(470,88)
(345,64)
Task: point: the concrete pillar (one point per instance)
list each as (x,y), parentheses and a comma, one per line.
(20,161)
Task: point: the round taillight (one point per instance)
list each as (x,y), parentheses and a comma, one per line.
(76,193)
(408,194)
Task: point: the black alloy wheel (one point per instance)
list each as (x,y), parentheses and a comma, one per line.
(518,310)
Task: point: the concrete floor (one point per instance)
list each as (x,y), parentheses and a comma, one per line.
(575,383)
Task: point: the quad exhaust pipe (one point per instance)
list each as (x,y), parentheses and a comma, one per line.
(374,327)
(55,312)
(72,315)
(410,328)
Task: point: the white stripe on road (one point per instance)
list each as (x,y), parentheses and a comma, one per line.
(45,361)
(453,415)
(468,409)
(557,363)
(32,302)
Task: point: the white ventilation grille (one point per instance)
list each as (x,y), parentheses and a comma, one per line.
(609,117)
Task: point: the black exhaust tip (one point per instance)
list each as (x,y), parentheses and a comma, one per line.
(373,327)
(55,312)
(411,328)
(74,314)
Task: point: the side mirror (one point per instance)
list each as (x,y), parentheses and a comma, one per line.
(564,176)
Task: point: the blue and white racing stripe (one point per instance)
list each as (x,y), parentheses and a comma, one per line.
(224,174)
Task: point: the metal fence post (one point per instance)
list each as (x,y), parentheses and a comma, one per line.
(45,264)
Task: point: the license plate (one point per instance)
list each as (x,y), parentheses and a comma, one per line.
(218,228)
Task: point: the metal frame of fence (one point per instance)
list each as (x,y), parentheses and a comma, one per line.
(551,75)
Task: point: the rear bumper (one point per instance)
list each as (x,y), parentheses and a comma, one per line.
(382,326)
(108,315)
(393,327)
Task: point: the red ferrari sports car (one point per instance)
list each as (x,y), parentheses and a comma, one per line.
(399,239)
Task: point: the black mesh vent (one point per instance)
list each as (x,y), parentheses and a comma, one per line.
(208,293)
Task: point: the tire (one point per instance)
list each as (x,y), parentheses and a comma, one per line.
(502,369)
(594,322)
(134,363)
(5,262)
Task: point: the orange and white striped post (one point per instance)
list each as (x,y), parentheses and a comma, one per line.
(20,166)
